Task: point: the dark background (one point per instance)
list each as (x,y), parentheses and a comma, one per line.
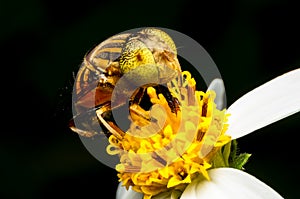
(43,43)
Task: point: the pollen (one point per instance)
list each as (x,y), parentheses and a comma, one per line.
(178,147)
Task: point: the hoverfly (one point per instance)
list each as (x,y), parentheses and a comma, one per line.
(149,52)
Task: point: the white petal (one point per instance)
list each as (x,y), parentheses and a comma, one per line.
(229,183)
(217,85)
(266,104)
(123,193)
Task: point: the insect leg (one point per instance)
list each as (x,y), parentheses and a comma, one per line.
(109,125)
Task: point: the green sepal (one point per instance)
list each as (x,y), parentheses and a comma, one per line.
(228,156)
(237,160)
(218,160)
(240,161)
(226,151)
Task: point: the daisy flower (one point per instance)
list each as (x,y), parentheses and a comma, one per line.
(208,165)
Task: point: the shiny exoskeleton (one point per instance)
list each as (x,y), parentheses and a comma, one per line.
(143,56)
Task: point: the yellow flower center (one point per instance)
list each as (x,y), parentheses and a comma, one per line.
(175,148)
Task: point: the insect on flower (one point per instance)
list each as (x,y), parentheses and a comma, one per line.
(142,56)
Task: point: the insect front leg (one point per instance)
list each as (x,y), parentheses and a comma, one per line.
(139,107)
(109,125)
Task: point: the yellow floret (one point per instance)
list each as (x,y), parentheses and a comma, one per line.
(180,150)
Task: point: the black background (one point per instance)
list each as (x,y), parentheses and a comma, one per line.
(43,43)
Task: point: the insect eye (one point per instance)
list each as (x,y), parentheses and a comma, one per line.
(135,54)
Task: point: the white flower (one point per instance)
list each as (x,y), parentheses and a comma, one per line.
(268,103)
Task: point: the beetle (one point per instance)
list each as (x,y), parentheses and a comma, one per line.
(139,57)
